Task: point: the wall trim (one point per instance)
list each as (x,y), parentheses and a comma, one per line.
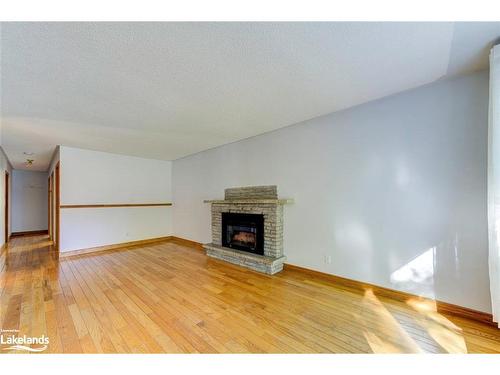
(441,307)
(29,233)
(114,205)
(98,249)
(183,241)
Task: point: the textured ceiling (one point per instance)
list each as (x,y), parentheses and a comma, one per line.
(167,90)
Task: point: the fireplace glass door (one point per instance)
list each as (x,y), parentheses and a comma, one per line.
(243,232)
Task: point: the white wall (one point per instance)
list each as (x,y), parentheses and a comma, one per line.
(54,161)
(393,190)
(91,177)
(29,201)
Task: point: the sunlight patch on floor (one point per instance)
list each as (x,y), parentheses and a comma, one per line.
(443,331)
(45,242)
(382,331)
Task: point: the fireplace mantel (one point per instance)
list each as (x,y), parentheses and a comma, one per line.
(249,201)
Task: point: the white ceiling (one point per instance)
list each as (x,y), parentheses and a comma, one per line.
(167,90)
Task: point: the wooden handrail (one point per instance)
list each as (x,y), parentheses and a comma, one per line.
(114,205)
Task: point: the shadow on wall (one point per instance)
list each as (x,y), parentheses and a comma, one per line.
(442,271)
(409,217)
(438,273)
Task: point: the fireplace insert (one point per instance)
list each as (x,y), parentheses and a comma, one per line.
(243,232)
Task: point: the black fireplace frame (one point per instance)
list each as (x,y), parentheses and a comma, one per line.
(244,219)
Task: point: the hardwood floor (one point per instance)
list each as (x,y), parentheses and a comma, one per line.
(170,298)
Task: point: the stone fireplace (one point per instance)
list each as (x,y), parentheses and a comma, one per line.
(247,228)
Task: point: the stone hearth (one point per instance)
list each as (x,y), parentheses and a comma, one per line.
(262,200)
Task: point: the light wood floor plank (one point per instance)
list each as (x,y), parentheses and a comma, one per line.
(170,298)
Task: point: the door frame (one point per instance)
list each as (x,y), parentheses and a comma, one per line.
(7,193)
(57,237)
(49,223)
